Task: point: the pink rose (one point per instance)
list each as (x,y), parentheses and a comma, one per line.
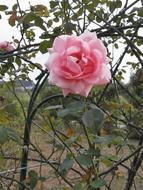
(6,46)
(77,63)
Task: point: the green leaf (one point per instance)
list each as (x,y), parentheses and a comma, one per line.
(98,183)
(58,145)
(72,109)
(53,4)
(69,27)
(93,119)
(92,5)
(49,23)
(2,162)
(6,134)
(3,7)
(41,178)
(118,141)
(79,186)
(14,7)
(116,45)
(114,5)
(13,135)
(93,152)
(32,174)
(66,166)
(84,159)
(140,12)
(106,139)
(29,17)
(80,12)
(33,178)
(3,135)
(46,35)
(115,140)
(99,16)
(44,46)
(39,23)
(118,3)
(18,61)
(109,160)
(56,19)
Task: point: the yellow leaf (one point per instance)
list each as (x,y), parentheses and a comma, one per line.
(41,10)
(70,132)
(113,105)
(127,106)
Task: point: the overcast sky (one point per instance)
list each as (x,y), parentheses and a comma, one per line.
(6,31)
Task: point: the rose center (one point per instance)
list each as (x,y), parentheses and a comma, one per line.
(82,61)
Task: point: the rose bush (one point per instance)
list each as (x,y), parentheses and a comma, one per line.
(77,63)
(6,46)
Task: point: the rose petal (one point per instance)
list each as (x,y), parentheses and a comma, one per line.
(65,91)
(88,36)
(76,63)
(78,87)
(73,50)
(73,66)
(82,92)
(102,77)
(53,61)
(60,43)
(6,46)
(99,46)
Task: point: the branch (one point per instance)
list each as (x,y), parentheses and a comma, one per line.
(115,166)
